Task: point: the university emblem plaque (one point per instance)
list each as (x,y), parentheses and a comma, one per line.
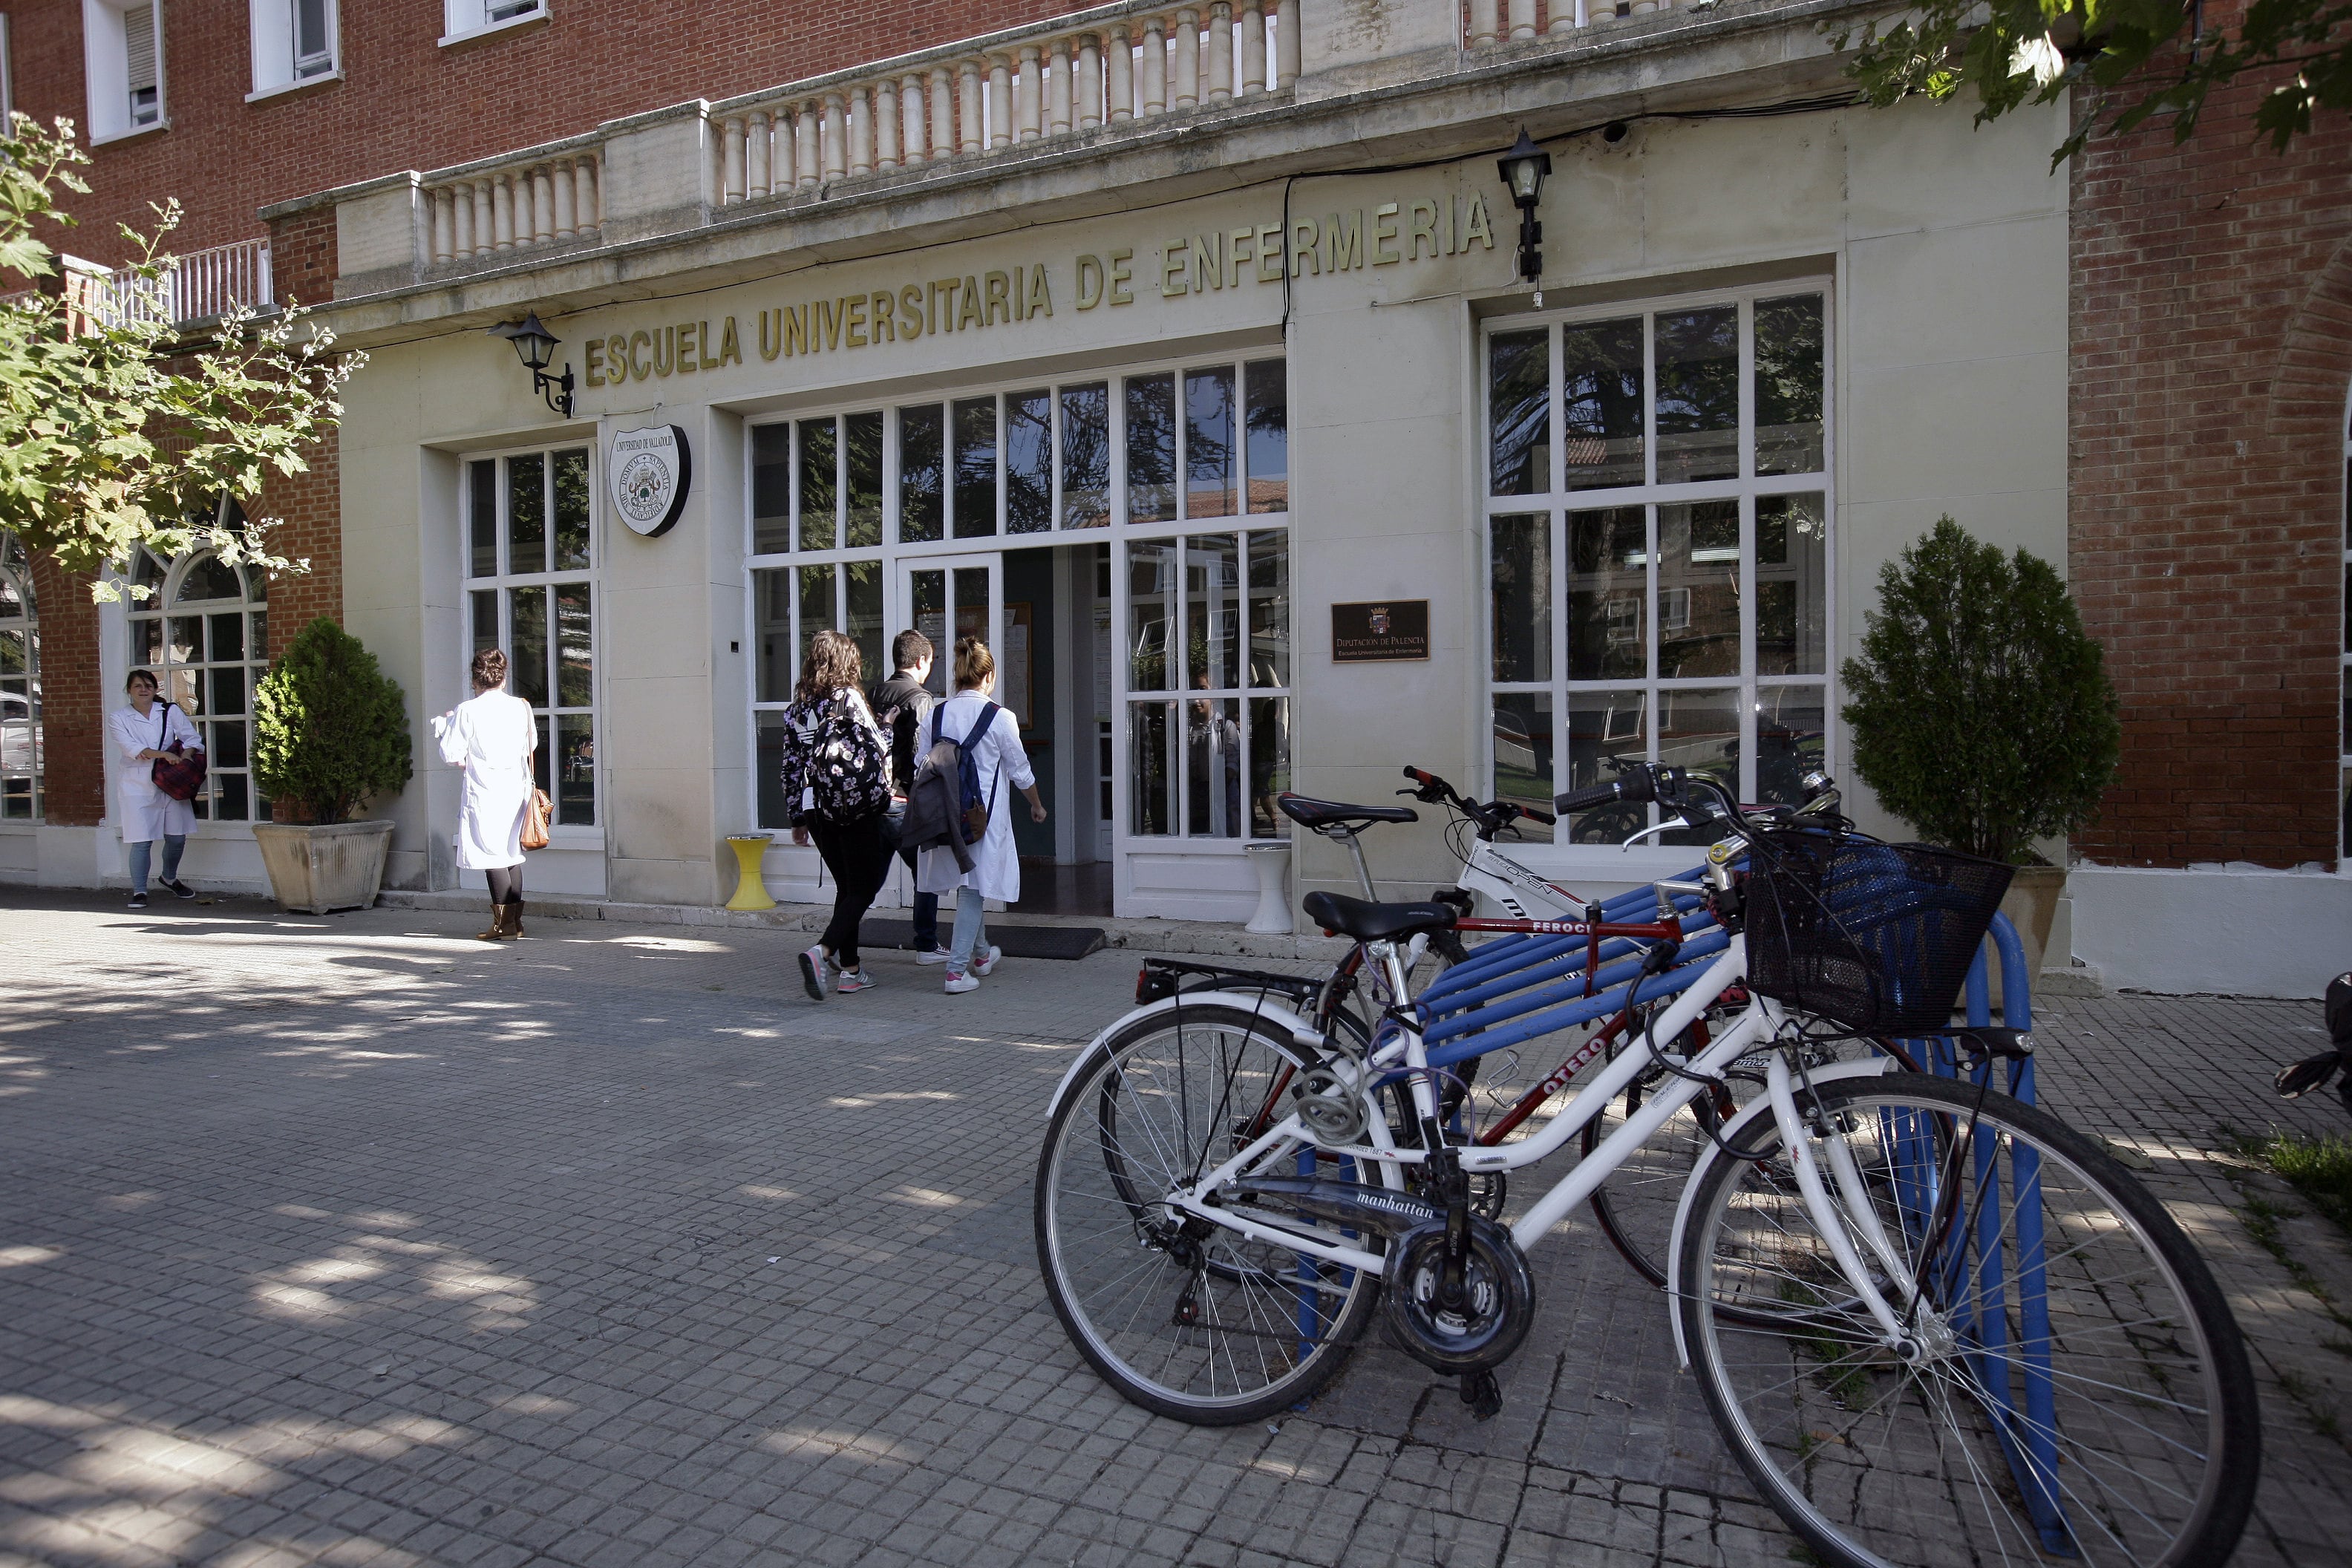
(651,471)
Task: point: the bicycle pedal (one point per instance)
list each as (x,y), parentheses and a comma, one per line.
(1482,1394)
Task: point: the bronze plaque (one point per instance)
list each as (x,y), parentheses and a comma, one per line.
(1390,629)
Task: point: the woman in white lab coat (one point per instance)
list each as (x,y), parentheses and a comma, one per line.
(995,863)
(492,737)
(143,730)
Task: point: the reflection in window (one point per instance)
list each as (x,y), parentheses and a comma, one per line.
(1151,448)
(1222,753)
(20,686)
(1698,395)
(538,603)
(818,501)
(1605,730)
(861,469)
(975,468)
(1085,455)
(204,631)
(1518,418)
(1028,462)
(1698,590)
(1209,489)
(1700,731)
(771,490)
(1607,580)
(1267,456)
(1792,572)
(922,473)
(1789,364)
(1522,590)
(1601,405)
(1522,753)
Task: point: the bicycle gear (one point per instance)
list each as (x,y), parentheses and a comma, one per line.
(1498,1298)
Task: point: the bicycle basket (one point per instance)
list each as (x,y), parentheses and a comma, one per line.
(1876,937)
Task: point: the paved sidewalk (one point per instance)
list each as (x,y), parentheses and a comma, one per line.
(351,1240)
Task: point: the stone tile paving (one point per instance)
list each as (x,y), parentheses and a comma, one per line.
(353,1241)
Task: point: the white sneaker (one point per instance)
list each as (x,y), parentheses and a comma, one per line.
(931,955)
(983,963)
(812,973)
(959,983)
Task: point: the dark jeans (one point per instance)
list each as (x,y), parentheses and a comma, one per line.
(927,905)
(506,884)
(858,854)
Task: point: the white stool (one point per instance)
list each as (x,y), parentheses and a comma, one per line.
(1272,863)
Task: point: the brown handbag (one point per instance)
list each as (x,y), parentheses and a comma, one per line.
(534,820)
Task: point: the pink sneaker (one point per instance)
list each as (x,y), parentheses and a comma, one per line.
(959,982)
(850,979)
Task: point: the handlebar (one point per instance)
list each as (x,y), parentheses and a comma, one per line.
(1493,816)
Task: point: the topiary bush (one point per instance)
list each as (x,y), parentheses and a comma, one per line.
(330,728)
(1982,711)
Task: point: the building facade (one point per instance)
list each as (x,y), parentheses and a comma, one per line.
(1186,353)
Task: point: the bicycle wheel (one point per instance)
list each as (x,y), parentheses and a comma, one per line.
(1188,1319)
(2081,1390)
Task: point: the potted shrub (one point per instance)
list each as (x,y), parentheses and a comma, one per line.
(329,731)
(1982,711)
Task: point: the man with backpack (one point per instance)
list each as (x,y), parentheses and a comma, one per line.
(901,704)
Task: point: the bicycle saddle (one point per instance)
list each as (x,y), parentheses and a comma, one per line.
(1326,812)
(1368,922)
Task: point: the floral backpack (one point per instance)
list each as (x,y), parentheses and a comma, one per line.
(836,765)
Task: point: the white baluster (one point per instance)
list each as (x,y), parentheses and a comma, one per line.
(445,227)
(1000,101)
(757,167)
(943,126)
(591,174)
(1221,53)
(1253,64)
(885,126)
(567,199)
(808,145)
(1285,43)
(1482,23)
(1028,95)
(1087,87)
(502,213)
(542,205)
(732,170)
(1186,89)
(1523,19)
(970,120)
(915,147)
(861,133)
(836,139)
(1118,92)
(1567,16)
(1058,97)
(1153,89)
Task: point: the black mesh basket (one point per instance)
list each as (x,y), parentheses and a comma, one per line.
(1876,937)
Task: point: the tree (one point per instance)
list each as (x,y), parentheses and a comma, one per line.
(109,437)
(2137,58)
(330,728)
(1982,711)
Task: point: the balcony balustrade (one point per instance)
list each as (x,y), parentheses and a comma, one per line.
(496,206)
(1491,21)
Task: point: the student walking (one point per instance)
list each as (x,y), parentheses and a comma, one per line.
(144,732)
(491,736)
(837,787)
(990,741)
(901,704)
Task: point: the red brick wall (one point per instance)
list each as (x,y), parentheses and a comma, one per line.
(309,507)
(407,103)
(73,706)
(2211,348)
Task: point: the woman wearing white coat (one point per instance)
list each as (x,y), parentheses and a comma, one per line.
(491,736)
(995,864)
(141,732)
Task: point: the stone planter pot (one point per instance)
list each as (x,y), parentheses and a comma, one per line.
(2030,904)
(315,869)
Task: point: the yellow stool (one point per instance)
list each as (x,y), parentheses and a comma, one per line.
(750,891)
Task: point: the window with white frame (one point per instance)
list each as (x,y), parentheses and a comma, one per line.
(7,72)
(123,61)
(461,17)
(203,628)
(20,686)
(1187,466)
(1657,530)
(530,587)
(294,41)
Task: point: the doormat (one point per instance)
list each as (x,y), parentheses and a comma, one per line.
(1018,942)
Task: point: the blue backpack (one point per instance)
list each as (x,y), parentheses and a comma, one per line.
(971,800)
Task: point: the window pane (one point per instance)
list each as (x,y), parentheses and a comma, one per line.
(1028,462)
(1150,769)
(1085,455)
(572,510)
(770,770)
(260,640)
(526,514)
(971,608)
(575,770)
(482,502)
(1791,572)
(863,461)
(226,748)
(1269,763)
(1150,572)
(1209,442)
(1212,778)
(922,498)
(227,636)
(816,609)
(1608,583)
(1604,728)
(1269,610)
(210,578)
(228,690)
(1213,640)
(13,661)
(1521,576)
(1600,404)
(863,581)
(1698,589)
(1151,448)
(539,753)
(575,669)
(817,484)
(1268,444)
(1523,742)
(771,603)
(229,802)
(975,468)
(527,644)
(187,644)
(1789,733)
(1698,395)
(1518,422)
(1700,731)
(1788,386)
(147,642)
(486,618)
(771,488)
(930,597)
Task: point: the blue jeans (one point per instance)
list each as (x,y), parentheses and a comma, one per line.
(172,845)
(971,928)
(927,905)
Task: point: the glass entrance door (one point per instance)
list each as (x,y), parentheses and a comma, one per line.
(963,592)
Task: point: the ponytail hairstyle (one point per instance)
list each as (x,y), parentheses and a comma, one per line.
(974,663)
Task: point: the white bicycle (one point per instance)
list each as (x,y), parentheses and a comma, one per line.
(1935,1324)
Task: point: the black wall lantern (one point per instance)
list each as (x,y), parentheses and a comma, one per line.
(535,346)
(1523,169)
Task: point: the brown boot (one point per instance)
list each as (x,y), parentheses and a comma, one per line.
(497,931)
(514,919)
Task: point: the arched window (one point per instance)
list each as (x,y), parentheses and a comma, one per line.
(20,686)
(204,629)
